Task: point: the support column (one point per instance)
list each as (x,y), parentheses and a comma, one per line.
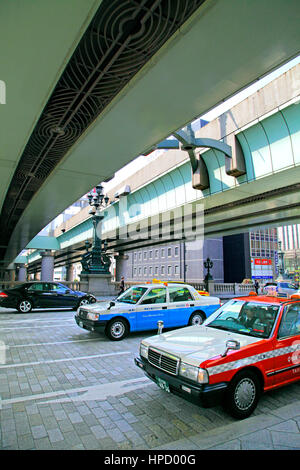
(22,274)
(47,267)
(70,272)
(12,272)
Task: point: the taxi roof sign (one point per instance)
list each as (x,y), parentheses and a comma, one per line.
(271,291)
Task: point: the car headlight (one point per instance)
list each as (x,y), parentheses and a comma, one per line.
(143,351)
(93,316)
(193,373)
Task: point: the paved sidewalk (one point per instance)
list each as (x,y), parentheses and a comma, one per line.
(64,388)
(276,430)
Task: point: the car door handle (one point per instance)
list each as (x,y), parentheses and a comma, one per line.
(192,305)
(164,308)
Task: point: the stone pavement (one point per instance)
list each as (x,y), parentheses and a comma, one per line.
(279,430)
(62,387)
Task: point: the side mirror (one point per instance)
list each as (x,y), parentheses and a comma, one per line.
(231,344)
(111,304)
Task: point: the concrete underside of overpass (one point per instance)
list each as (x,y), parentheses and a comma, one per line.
(221,48)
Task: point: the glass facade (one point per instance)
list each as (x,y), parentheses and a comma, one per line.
(264,253)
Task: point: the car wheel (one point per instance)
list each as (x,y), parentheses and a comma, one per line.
(197,318)
(117,329)
(243,394)
(25,306)
(84,301)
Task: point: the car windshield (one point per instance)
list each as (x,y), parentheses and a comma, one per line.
(247,318)
(287,285)
(132,295)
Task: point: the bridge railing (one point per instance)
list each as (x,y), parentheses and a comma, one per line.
(228,290)
(74,285)
(224,290)
(218,289)
(9,284)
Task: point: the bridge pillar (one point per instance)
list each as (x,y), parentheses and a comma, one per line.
(47,268)
(69,272)
(12,272)
(22,273)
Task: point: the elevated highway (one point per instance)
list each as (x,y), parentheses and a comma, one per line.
(267,127)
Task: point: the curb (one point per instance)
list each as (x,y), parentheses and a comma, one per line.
(236,430)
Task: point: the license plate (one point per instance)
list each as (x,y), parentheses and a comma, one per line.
(163,384)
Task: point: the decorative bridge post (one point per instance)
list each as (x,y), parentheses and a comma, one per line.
(95,276)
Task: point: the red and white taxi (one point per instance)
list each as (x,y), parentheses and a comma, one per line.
(248,346)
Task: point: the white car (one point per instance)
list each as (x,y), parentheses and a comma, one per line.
(141,306)
(284,288)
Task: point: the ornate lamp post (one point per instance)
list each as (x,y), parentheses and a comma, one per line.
(95,261)
(280,264)
(208,264)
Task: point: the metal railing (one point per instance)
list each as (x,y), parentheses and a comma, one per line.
(222,290)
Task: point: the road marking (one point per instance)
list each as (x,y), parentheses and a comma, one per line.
(56,342)
(93,392)
(35,327)
(29,320)
(51,361)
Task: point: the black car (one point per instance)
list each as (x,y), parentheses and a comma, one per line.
(28,295)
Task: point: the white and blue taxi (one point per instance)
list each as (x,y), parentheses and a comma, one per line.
(141,306)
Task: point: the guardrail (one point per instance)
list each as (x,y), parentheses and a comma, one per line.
(227,290)
(222,290)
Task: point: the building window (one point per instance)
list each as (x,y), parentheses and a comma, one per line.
(140,271)
(150,254)
(150,270)
(169,251)
(176,269)
(145,254)
(156,253)
(145,271)
(134,272)
(156,270)
(176,251)
(162,252)
(169,269)
(135,256)
(140,256)
(162,270)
